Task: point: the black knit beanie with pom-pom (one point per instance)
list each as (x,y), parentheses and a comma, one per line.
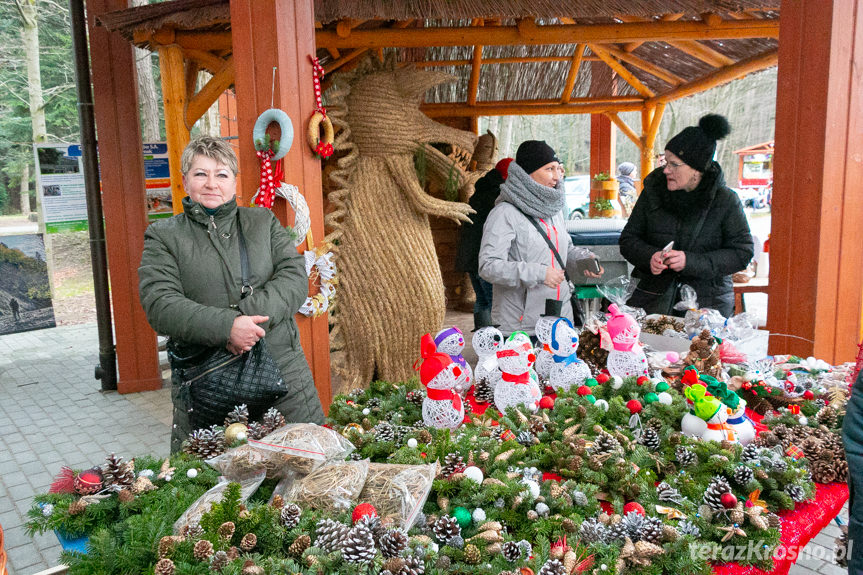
(696,145)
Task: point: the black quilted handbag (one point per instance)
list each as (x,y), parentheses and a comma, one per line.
(213,380)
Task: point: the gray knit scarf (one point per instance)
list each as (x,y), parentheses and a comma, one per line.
(531,198)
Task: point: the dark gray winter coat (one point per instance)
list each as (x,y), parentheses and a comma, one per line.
(722,247)
(192,260)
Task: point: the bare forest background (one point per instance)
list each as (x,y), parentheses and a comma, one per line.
(38,104)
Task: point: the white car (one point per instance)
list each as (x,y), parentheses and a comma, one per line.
(577,196)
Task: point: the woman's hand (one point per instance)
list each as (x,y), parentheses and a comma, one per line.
(676,260)
(553,277)
(657,264)
(246,332)
(598,274)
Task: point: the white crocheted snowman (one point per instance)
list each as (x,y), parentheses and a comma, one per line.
(451,342)
(518,384)
(486,341)
(442,407)
(544,360)
(567,370)
(627,358)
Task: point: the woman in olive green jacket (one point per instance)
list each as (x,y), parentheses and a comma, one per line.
(190,276)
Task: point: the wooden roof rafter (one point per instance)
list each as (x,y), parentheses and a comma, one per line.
(692,47)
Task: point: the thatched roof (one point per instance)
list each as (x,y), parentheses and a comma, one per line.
(655,67)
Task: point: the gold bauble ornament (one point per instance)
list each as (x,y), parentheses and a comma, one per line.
(236,432)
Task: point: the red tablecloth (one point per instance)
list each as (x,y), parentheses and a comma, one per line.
(798,528)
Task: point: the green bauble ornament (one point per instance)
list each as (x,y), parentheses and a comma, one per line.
(650,397)
(662,386)
(590,398)
(462,516)
(591,382)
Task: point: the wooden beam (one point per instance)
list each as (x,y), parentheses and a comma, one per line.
(522,108)
(666,18)
(721,76)
(191,76)
(476,67)
(699,51)
(572,75)
(510,60)
(622,71)
(206,60)
(627,131)
(174,101)
(533,35)
(651,117)
(648,67)
(201,102)
(353,54)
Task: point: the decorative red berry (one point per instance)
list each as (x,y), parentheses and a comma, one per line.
(602,377)
(584,390)
(546,402)
(642,380)
(634,406)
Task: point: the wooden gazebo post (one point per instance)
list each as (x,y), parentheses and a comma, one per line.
(281,34)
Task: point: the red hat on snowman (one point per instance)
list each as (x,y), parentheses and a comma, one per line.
(433,361)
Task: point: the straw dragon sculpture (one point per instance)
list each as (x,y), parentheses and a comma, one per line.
(391,289)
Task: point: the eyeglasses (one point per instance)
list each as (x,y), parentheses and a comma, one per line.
(673,165)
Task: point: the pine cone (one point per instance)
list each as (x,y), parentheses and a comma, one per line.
(416,397)
(413,566)
(568,525)
(827,416)
(167,544)
(471,554)
(164,567)
(649,439)
(205,443)
(537,425)
(384,431)
(651,531)
(743,475)
(795,492)
(687,527)
(240,414)
(604,443)
(713,494)
(290,516)
(273,419)
(256,430)
(665,492)
(226,529)
(252,570)
(511,551)
(443,563)
(359,545)
(452,463)
(126,496)
(192,531)
(248,542)
(299,545)
(219,561)
(445,528)
(592,531)
(393,542)
(115,472)
(203,550)
(750,453)
(483,391)
(424,436)
(330,534)
(685,456)
(552,567)
(233,553)
(525,438)
(841,470)
(823,471)
(77,507)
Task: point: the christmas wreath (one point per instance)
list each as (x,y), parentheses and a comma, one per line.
(321,144)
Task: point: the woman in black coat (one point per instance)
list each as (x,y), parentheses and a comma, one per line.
(688,203)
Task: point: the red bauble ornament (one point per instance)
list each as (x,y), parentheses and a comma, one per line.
(546,402)
(363,510)
(728,500)
(808,394)
(584,390)
(602,377)
(88,482)
(634,406)
(634,506)
(642,380)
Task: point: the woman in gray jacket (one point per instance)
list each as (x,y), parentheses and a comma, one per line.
(514,257)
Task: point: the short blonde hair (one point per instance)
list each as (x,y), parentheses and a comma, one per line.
(210,147)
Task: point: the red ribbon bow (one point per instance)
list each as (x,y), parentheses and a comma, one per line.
(444,395)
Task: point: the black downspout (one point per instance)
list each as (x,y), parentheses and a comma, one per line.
(107,368)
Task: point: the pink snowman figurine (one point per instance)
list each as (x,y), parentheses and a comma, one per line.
(442,407)
(451,342)
(626,358)
(567,370)
(518,384)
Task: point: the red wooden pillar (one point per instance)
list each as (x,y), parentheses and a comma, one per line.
(603,134)
(281,33)
(123,197)
(816,280)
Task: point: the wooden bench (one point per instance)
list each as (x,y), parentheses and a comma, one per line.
(755,285)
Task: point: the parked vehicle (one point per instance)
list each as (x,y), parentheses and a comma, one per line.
(755,197)
(577,195)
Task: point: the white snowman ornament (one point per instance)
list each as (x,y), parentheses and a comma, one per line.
(486,341)
(567,370)
(442,407)
(741,423)
(627,357)
(544,360)
(518,384)
(713,412)
(451,342)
